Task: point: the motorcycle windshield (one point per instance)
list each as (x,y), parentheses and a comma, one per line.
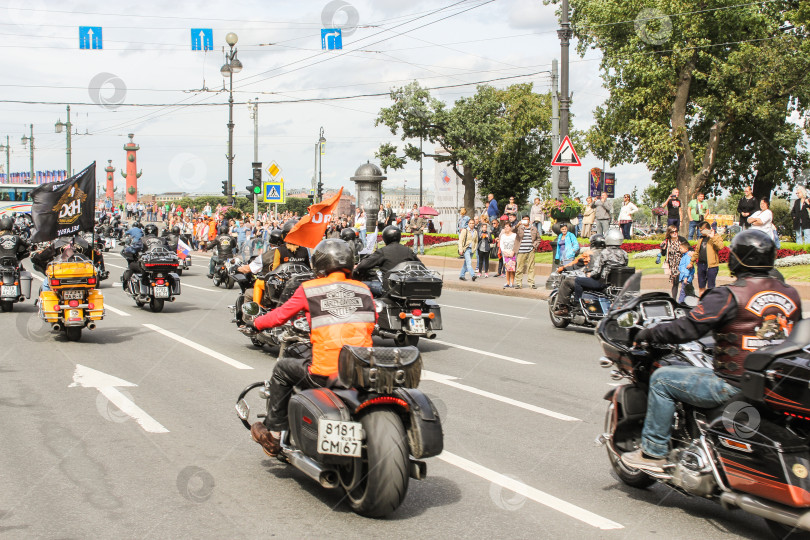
(291,268)
(631,290)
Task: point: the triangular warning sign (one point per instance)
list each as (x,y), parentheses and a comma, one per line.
(273,193)
(566,156)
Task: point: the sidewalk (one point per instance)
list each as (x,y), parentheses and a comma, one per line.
(449,269)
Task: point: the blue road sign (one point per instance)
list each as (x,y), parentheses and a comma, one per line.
(331,39)
(90,37)
(274,192)
(202,39)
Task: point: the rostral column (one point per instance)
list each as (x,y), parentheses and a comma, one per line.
(110,188)
(131,175)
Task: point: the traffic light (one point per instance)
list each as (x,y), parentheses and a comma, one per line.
(311,196)
(249,189)
(225,188)
(256,188)
(320,191)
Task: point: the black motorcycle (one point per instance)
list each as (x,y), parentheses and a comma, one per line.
(15,285)
(279,285)
(366,431)
(157,281)
(407,309)
(594,304)
(223,271)
(752,452)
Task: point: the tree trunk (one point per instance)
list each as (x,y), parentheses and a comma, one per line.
(763,185)
(468,181)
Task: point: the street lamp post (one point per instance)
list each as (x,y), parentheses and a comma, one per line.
(564,33)
(7,148)
(322,145)
(58,128)
(30,141)
(232,65)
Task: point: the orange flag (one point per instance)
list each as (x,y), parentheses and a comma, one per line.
(311,228)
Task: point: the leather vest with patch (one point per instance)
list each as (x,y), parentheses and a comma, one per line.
(341,313)
(767,309)
(267,260)
(299,256)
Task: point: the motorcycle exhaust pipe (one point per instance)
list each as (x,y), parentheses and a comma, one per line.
(386,334)
(172,299)
(768,510)
(21,299)
(56,327)
(325,477)
(91,326)
(431,335)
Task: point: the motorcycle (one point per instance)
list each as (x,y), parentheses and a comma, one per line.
(279,285)
(366,431)
(750,453)
(15,284)
(185,262)
(222,271)
(98,246)
(73,301)
(593,305)
(408,309)
(157,282)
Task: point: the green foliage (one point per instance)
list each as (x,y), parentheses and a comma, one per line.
(781,216)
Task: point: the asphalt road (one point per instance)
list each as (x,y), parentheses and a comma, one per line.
(521,405)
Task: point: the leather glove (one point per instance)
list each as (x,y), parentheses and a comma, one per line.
(643,335)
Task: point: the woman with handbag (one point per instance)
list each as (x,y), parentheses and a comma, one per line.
(671,251)
(485,242)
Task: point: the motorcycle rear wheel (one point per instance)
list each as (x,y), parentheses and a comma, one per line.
(632,477)
(378,481)
(156,304)
(7,306)
(231,282)
(786,532)
(73,333)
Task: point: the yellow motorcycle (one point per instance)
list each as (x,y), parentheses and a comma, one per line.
(71,300)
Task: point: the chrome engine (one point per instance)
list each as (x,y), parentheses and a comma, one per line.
(693,471)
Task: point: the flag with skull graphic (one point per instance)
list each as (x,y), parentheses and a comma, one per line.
(65,208)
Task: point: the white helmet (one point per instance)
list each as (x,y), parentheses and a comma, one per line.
(614,238)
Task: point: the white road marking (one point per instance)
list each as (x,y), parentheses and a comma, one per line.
(90,378)
(447,380)
(485,353)
(482,311)
(196,346)
(529,492)
(201,288)
(116,310)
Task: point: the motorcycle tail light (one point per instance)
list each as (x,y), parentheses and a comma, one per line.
(57,308)
(161,281)
(383,400)
(431,315)
(91,281)
(403,315)
(55,282)
(416,313)
(73,303)
(91,306)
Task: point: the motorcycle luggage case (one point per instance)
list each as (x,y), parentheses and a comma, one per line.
(379,369)
(66,270)
(25,283)
(306,409)
(760,457)
(47,301)
(162,262)
(96,298)
(618,276)
(413,281)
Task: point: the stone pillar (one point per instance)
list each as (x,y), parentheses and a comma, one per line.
(110,185)
(369,178)
(131,176)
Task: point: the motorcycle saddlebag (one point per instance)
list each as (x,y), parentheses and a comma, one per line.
(619,275)
(25,283)
(159,261)
(96,298)
(425,436)
(306,409)
(380,369)
(414,281)
(47,301)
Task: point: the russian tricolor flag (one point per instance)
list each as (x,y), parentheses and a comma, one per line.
(183,249)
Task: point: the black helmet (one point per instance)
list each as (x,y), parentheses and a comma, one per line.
(6,223)
(597,241)
(276,237)
(332,255)
(391,235)
(751,251)
(287,227)
(176,229)
(348,234)
(138,225)
(150,229)
(223,229)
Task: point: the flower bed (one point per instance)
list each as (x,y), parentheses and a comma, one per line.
(793,260)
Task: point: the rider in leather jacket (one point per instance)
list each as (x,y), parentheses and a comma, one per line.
(226,246)
(613,256)
(385,259)
(332,292)
(585,262)
(758,309)
(11,243)
(148,242)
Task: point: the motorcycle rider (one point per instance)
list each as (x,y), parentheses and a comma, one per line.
(173,238)
(135,232)
(349,235)
(385,259)
(151,240)
(225,244)
(64,247)
(260,266)
(584,262)
(736,314)
(340,312)
(290,253)
(11,243)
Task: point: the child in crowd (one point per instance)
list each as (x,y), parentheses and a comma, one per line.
(686,273)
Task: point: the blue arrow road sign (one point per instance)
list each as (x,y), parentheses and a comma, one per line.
(90,37)
(331,39)
(202,39)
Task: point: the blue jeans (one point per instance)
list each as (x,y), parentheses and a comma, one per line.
(802,236)
(694,385)
(693,230)
(467,267)
(582,283)
(419,238)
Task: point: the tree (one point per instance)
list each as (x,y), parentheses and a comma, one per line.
(700,96)
(499,138)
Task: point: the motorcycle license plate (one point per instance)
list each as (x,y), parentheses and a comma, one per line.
(340,438)
(161,292)
(417,325)
(76,294)
(9,290)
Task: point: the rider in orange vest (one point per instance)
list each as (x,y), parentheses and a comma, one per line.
(340,311)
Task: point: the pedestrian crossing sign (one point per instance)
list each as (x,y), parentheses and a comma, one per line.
(274,192)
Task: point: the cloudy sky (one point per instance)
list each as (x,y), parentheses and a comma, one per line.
(147,60)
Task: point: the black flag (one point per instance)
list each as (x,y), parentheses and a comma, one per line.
(65,208)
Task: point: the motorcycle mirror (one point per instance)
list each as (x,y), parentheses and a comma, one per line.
(628,319)
(250,309)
